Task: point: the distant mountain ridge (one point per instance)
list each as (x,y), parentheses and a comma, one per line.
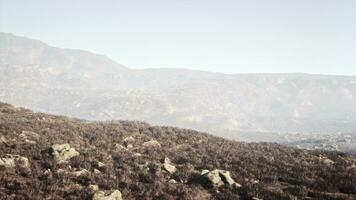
(86,85)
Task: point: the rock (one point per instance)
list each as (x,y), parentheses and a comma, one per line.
(102,195)
(63,152)
(226,177)
(94,188)
(218,178)
(130,146)
(3,140)
(137,155)
(119,147)
(214,178)
(168,166)
(327,161)
(152,143)
(129,140)
(47,172)
(204,171)
(96,171)
(100,165)
(29,137)
(172,181)
(11,161)
(82,172)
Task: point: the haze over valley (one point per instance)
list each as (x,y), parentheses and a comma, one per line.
(249,107)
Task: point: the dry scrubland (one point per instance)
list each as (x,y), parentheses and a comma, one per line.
(138,161)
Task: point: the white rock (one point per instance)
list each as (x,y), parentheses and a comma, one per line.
(152,143)
(168,166)
(82,172)
(63,152)
(11,161)
(102,195)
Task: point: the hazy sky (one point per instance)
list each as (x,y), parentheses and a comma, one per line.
(232,36)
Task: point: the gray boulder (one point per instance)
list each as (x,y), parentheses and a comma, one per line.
(11,161)
(152,143)
(219,178)
(103,195)
(167,165)
(63,152)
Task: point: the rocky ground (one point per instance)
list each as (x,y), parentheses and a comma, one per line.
(51,157)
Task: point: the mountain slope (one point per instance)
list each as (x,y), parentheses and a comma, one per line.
(131,157)
(86,85)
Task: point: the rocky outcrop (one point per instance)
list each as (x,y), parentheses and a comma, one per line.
(63,152)
(12,161)
(103,195)
(167,165)
(218,178)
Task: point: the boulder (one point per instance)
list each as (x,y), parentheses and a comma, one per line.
(172,181)
(219,177)
(3,140)
(152,143)
(129,141)
(63,152)
(11,161)
(119,147)
(167,165)
(100,165)
(104,195)
(93,187)
(82,172)
(96,171)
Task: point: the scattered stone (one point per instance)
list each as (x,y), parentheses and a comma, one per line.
(11,161)
(63,152)
(102,195)
(152,143)
(168,166)
(82,172)
(130,146)
(255,198)
(61,171)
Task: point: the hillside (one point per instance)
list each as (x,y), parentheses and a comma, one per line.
(52,157)
(90,86)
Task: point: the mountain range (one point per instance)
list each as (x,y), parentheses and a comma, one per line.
(82,84)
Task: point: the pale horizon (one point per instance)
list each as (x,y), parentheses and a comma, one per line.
(236,37)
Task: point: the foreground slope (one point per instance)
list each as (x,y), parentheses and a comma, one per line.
(131,157)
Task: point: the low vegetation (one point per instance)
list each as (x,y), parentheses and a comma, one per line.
(76,159)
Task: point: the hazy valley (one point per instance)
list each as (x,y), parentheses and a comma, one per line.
(273,107)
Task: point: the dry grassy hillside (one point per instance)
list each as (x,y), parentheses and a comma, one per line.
(129,159)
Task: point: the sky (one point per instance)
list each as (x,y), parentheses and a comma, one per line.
(230,36)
